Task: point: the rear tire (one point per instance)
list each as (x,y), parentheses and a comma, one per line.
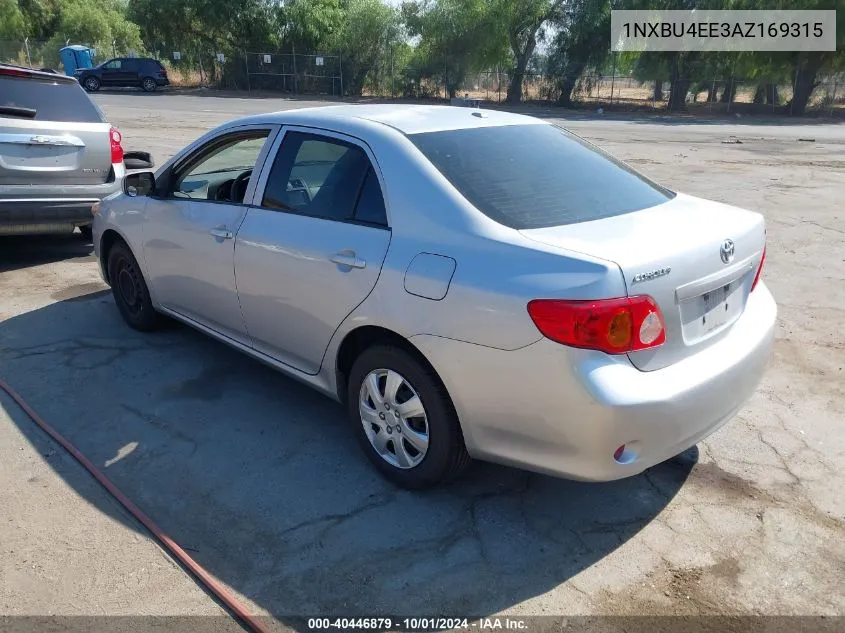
(148,84)
(130,291)
(432,448)
(91,84)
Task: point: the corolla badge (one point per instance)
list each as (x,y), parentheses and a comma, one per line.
(652,274)
(726,251)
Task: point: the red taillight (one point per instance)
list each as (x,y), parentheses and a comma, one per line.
(116,147)
(14,72)
(615,326)
(759,270)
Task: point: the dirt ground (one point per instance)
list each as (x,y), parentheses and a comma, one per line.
(259,477)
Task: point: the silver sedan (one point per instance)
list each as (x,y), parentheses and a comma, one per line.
(469,283)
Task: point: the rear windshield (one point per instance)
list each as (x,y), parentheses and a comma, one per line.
(51,101)
(534,176)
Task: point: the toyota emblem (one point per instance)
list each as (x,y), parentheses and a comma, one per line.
(727,251)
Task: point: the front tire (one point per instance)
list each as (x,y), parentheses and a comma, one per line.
(87,232)
(403,418)
(91,84)
(130,291)
(148,84)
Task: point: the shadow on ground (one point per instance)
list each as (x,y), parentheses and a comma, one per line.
(260,478)
(21,252)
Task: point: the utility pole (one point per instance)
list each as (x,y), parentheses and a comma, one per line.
(340,69)
(293,51)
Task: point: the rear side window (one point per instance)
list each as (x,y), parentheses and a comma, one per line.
(534,176)
(49,99)
(370,207)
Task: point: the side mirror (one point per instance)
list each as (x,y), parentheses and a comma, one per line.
(138,160)
(140,184)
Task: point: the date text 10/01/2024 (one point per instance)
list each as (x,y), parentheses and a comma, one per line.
(417,624)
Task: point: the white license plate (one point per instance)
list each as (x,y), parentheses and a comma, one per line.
(712,311)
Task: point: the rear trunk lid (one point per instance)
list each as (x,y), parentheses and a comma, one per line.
(50,133)
(697,259)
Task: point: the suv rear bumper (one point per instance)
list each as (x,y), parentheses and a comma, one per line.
(25,217)
(27,210)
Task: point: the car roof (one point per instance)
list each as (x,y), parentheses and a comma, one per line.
(408,119)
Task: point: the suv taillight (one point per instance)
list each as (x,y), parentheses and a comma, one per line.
(614,326)
(116,148)
(14,72)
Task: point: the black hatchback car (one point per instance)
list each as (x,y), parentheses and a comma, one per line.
(143,72)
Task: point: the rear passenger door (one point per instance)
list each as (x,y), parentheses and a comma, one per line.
(312,250)
(129,73)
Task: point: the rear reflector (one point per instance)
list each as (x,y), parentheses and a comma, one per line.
(614,326)
(759,270)
(116,148)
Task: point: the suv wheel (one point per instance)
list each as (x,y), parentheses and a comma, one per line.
(403,419)
(91,84)
(87,231)
(148,84)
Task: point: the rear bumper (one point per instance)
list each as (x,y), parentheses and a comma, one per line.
(162,81)
(44,216)
(564,411)
(57,209)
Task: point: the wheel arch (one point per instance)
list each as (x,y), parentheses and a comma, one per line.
(357,340)
(108,239)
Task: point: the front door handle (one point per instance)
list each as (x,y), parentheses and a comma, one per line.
(348,258)
(222,233)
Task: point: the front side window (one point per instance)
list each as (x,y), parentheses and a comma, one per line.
(324,178)
(113,65)
(221,170)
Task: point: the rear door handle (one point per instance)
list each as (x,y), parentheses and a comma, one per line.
(222,233)
(346,258)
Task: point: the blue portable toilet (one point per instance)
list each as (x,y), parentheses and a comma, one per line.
(76,56)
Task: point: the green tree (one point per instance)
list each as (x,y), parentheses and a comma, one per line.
(581,42)
(461,36)
(99,23)
(523,22)
(12,21)
(312,25)
(371,30)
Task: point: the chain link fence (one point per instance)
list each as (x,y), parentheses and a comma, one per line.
(387,76)
(31,53)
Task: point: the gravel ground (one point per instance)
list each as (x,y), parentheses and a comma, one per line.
(259,477)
